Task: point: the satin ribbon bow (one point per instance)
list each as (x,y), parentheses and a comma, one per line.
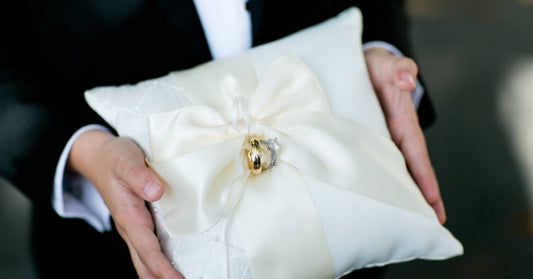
(197,152)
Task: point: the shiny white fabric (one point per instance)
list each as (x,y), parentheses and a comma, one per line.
(341,197)
(195,149)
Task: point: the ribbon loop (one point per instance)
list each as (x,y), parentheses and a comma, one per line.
(216,188)
(240,111)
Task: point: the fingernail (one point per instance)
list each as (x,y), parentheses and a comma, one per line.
(441,213)
(151,189)
(407,77)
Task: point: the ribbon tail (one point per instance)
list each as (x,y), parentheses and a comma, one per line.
(194,186)
(231,201)
(235,194)
(280,229)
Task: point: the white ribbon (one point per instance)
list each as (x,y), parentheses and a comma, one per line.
(194,150)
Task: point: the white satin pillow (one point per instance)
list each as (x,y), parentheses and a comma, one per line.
(339,197)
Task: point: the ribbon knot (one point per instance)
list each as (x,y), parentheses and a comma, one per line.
(194,150)
(240,111)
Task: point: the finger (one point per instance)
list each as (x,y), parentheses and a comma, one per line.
(134,173)
(440,211)
(150,255)
(414,148)
(424,176)
(146,244)
(142,271)
(405,71)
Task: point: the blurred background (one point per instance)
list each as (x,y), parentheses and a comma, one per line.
(476,58)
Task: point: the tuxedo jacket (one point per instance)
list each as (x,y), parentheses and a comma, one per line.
(52,51)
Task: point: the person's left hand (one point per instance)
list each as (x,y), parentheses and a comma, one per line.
(393,78)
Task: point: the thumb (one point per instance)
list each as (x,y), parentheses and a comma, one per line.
(405,71)
(139,179)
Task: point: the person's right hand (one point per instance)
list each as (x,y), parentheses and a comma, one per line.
(117,168)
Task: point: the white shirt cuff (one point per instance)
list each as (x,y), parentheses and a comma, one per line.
(76,197)
(416,94)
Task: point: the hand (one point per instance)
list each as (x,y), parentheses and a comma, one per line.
(393,78)
(117,168)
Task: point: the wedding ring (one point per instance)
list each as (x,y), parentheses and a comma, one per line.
(254,162)
(254,156)
(260,153)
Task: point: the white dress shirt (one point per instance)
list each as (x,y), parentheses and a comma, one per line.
(227,27)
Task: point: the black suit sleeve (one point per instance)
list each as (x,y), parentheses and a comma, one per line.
(38,111)
(387,20)
(53,51)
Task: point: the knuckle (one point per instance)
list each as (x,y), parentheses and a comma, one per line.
(146,254)
(432,193)
(152,257)
(419,156)
(432,197)
(126,215)
(411,64)
(147,257)
(128,171)
(407,63)
(120,226)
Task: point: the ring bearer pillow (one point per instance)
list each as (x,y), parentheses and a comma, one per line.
(277,162)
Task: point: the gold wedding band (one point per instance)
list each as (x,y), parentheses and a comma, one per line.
(254,156)
(260,153)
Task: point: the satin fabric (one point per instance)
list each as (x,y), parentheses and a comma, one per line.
(340,198)
(194,150)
